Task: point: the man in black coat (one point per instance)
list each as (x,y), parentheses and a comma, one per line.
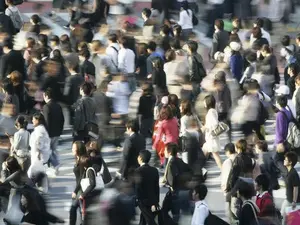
(7,25)
(55,123)
(134,143)
(147,188)
(12,60)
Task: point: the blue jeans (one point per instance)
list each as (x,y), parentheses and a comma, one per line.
(54,155)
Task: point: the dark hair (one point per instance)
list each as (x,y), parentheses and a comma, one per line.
(256,31)
(57,56)
(285,40)
(133,125)
(85,53)
(30,42)
(22,122)
(219,24)
(229,148)
(43,52)
(186,107)
(251,57)
(142,49)
(193,46)
(263,181)
(170,55)
(292,157)
(165,29)
(40,118)
(8,43)
(81,149)
(178,30)
(55,39)
(104,85)
(8,86)
(245,190)
(12,164)
(282,100)
(43,38)
(241,145)
(294,68)
(175,44)
(238,21)
(166,113)
(201,190)
(158,64)
(86,88)
(64,39)
(210,102)
(173,100)
(82,46)
(145,156)
(152,46)
(172,148)
(113,38)
(262,145)
(146,12)
(49,93)
(259,22)
(234,38)
(35,19)
(266,48)
(124,41)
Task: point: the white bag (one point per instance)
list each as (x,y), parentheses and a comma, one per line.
(85,182)
(36,167)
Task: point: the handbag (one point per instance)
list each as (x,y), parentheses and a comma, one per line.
(90,129)
(220,129)
(85,182)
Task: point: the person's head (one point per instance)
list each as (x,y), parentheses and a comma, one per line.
(7,87)
(113,38)
(171,149)
(64,39)
(186,108)
(28,201)
(132,126)
(261,146)
(164,30)
(262,183)
(192,47)
(9,2)
(72,65)
(35,19)
(30,42)
(38,119)
(234,38)
(229,149)
(151,47)
(170,55)
(286,40)
(79,149)
(157,64)
(173,100)
(259,23)
(12,164)
(147,89)
(293,69)
(21,123)
(146,13)
(251,57)
(219,25)
(166,113)
(175,44)
(54,41)
(93,148)
(209,102)
(96,46)
(123,41)
(290,159)
(84,54)
(8,45)
(43,40)
(236,23)
(177,30)
(281,101)
(265,50)
(245,190)
(220,77)
(15,78)
(57,56)
(144,157)
(199,192)
(241,146)
(256,32)
(86,89)
(48,95)
(297,80)
(82,46)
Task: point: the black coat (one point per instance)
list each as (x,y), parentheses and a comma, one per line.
(71,90)
(148,185)
(54,118)
(12,61)
(7,25)
(132,147)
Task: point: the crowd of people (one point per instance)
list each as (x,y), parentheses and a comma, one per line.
(103,82)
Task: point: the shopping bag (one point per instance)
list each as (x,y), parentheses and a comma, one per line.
(85,182)
(293,216)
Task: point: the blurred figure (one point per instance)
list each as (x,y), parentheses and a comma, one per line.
(220,37)
(201,211)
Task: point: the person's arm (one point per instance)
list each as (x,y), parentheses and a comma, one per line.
(16,143)
(126,156)
(157,192)
(3,67)
(149,65)
(46,113)
(214,47)
(225,171)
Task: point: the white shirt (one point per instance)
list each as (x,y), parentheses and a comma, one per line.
(200,213)
(185,19)
(225,171)
(265,35)
(126,60)
(119,92)
(112,52)
(215,2)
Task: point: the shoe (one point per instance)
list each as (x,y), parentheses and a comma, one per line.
(56,170)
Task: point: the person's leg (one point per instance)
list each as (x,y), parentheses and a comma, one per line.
(217,159)
(73,211)
(147,216)
(284,205)
(54,155)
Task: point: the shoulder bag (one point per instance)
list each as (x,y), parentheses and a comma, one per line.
(85,182)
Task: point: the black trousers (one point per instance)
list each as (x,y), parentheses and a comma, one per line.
(147,216)
(73,211)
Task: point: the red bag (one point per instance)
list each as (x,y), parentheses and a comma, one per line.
(293,218)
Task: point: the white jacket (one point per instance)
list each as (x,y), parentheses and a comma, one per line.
(40,142)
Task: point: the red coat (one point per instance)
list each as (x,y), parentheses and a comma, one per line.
(265,204)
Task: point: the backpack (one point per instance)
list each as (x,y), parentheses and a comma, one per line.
(293,137)
(263,113)
(214,220)
(201,72)
(16,19)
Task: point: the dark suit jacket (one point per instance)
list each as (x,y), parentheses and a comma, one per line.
(12,61)
(147,187)
(87,68)
(220,41)
(53,83)
(54,118)
(7,25)
(39,71)
(72,86)
(132,147)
